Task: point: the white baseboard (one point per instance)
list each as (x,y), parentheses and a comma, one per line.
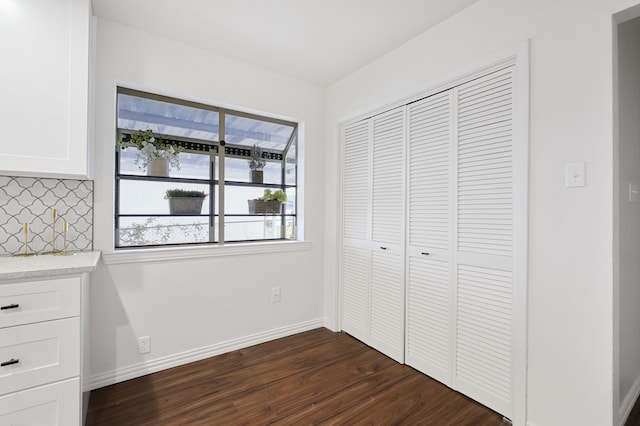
(629,401)
(152,366)
(329,324)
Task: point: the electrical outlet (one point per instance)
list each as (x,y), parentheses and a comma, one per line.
(275,294)
(144,344)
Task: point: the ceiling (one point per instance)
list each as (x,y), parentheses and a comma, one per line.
(318,41)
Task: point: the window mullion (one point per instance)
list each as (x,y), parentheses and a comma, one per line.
(221,178)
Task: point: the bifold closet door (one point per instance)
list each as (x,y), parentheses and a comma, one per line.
(387,233)
(429,274)
(484,240)
(373,295)
(460,251)
(356,229)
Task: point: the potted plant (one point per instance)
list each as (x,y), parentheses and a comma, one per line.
(257,163)
(269,203)
(182,201)
(155,156)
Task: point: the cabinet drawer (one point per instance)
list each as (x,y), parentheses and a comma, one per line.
(36,354)
(35,301)
(56,404)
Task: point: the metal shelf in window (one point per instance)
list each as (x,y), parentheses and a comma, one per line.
(258,185)
(259,214)
(166,179)
(167,215)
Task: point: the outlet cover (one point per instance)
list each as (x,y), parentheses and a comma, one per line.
(144,344)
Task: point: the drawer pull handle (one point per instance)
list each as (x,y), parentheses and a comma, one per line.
(12,306)
(424,253)
(10,362)
(382,248)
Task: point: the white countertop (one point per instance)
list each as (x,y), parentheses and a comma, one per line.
(48,266)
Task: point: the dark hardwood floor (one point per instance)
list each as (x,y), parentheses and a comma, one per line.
(317,377)
(634,416)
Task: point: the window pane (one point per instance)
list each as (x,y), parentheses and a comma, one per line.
(290,205)
(236,198)
(141,231)
(250,131)
(144,197)
(194,166)
(291,163)
(246,228)
(136,113)
(237,170)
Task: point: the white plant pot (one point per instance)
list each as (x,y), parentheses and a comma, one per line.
(158,167)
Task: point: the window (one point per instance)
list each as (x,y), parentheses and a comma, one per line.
(216,145)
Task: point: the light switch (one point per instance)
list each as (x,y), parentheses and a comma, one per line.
(633,193)
(574,175)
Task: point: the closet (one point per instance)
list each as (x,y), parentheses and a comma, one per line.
(433,245)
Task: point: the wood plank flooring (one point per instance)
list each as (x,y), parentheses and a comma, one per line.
(316,377)
(634,416)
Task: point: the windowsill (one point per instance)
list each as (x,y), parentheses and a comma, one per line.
(162,254)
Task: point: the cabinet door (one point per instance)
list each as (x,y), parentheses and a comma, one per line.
(45,81)
(54,404)
(39,353)
(429,310)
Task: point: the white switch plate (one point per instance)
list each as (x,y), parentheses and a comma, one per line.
(574,175)
(275,295)
(633,193)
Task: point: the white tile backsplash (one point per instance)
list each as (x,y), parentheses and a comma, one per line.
(30,200)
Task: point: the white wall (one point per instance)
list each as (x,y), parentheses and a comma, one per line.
(189,305)
(570,249)
(628,212)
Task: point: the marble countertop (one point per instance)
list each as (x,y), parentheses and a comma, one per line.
(12,268)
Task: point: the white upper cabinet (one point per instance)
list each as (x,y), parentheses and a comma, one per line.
(44,82)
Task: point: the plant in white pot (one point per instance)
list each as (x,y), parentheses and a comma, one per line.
(257,163)
(269,203)
(182,201)
(154,156)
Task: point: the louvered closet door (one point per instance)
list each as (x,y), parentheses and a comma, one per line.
(429,304)
(484,240)
(356,251)
(387,234)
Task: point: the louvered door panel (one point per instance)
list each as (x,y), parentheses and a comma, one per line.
(485,229)
(356,181)
(483,347)
(429,172)
(355,291)
(428,341)
(387,302)
(485,165)
(388,177)
(429,310)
